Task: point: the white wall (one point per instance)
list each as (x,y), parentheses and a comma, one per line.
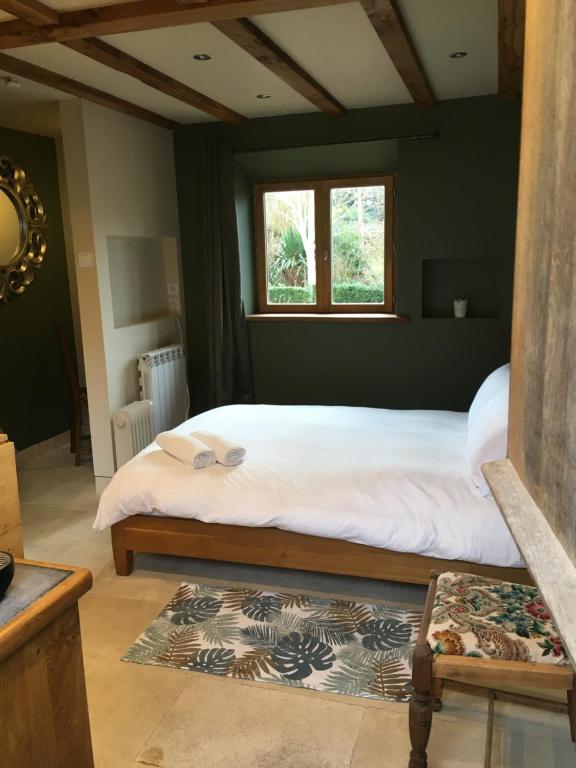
(70,260)
(121,182)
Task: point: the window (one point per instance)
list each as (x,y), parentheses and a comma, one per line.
(326,245)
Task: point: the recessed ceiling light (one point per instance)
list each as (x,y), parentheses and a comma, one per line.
(458,54)
(264,96)
(202,57)
(11,82)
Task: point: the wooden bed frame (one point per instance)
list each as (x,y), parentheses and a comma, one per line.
(281,549)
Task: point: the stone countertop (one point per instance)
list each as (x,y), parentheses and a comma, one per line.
(39,593)
(30,583)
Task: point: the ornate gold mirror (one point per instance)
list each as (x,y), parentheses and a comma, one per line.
(22,227)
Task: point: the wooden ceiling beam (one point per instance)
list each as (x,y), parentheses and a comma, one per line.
(111,57)
(387,20)
(511,18)
(53,80)
(31,11)
(142,15)
(255,42)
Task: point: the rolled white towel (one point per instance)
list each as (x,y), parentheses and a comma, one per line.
(187,449)
(227,453)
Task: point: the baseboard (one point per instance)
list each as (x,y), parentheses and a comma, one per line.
(39,449)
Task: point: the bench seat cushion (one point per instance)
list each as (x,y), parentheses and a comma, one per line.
(487,618)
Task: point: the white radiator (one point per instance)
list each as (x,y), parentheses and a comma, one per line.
(133,430)
(163,381)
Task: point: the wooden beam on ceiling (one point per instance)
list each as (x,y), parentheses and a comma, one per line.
(38,14)
(128,65)
(390,27)
(52,79)
(511,16)
(142,15)
(31,11)
(249,37)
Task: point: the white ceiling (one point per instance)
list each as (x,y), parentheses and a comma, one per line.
(340,48)
(60,59)
(440,27)
(337,45)
(232,77)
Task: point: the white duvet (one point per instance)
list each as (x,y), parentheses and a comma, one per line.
(392,479)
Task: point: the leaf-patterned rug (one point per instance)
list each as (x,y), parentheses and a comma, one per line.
(330,645)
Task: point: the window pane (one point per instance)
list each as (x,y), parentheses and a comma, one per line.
(290,247)
(357,220)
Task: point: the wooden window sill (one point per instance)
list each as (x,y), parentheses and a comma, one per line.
(316,317)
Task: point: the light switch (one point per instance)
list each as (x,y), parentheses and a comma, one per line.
(85,259)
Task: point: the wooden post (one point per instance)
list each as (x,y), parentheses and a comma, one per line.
(536,488)
(420,718)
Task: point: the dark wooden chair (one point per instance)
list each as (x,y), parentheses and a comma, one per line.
(78,396)
(476,634)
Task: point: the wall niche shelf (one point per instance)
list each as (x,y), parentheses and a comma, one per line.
(476,279)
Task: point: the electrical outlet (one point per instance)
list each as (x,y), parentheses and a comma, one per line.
(173,289)
(174,306)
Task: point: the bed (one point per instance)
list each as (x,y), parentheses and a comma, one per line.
(361,491)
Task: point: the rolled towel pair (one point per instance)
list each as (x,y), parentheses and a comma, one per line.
(187,449)
(226,453)
(201,449)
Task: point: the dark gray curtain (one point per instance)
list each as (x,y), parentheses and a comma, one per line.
(229,369)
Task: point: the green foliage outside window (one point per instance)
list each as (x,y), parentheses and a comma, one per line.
(351,263)
(344,293)
(356,244)
(289,265)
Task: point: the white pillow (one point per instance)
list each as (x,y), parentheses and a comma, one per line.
(488,437)
(496,381)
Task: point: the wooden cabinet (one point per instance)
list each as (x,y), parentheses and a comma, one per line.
(10,525)
(43,708)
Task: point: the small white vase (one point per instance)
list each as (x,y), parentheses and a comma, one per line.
(460,308)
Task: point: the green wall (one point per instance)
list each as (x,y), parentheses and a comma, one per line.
(33,390)
(456,200)
(332,159)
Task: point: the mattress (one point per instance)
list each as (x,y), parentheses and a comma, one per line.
(392,479)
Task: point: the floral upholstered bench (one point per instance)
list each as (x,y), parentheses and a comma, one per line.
(477,634)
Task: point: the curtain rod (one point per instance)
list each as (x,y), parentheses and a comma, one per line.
(414,137)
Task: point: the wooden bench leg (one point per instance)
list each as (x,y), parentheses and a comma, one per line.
(78,443)
(437,689)
(421,706)
(123,557)
(489,731)
(571,694)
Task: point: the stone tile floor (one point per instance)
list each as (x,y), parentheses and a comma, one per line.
(168,718)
